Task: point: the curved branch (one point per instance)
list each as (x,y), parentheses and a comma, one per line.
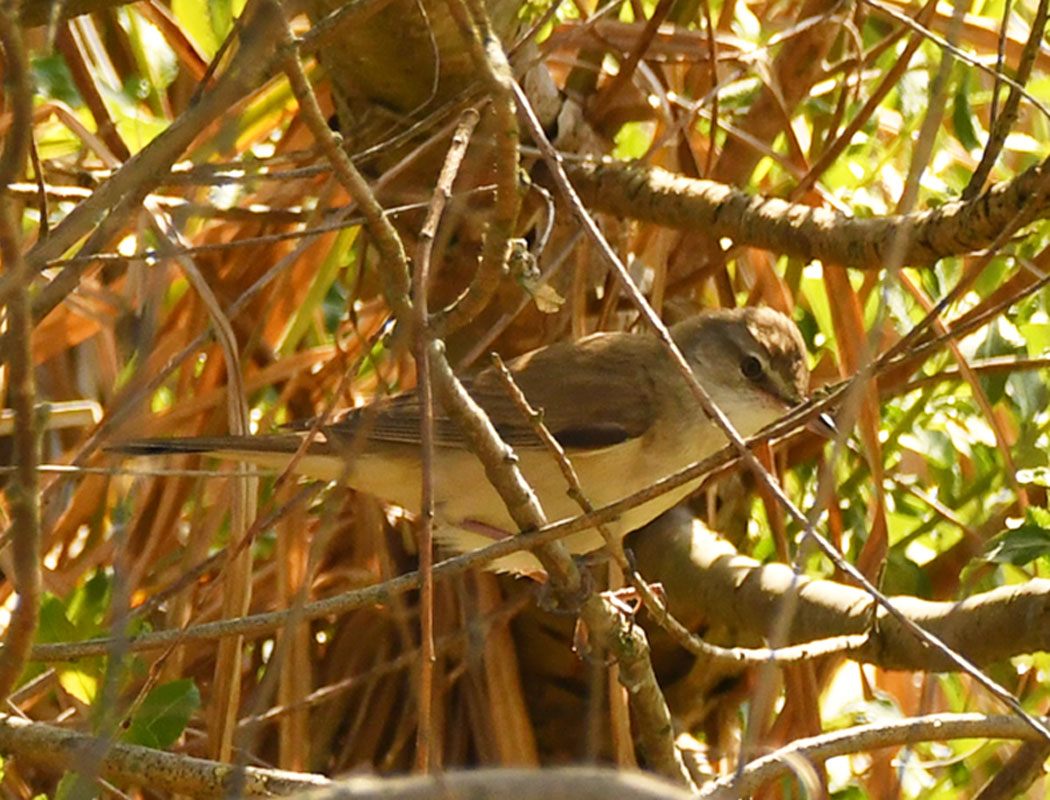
(706,578)
(934,727)
(657,196)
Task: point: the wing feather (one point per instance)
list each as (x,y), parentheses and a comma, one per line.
(592,393)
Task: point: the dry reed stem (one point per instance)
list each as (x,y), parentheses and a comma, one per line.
(24,491)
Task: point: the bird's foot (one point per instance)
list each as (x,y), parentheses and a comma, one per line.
(558,601)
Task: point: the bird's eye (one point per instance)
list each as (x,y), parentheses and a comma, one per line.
(751,368)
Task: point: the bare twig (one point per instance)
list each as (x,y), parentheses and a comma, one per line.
(394,270)
(1005,119)
(491,62)
(714,592)
(954,228)
(604,623)
(424,334)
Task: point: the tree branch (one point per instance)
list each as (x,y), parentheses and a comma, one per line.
(862,738)
(706,579)
(657,196)
(62,750)
(579,783)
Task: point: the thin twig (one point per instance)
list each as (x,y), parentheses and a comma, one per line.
(579,783)
(490,60)
(1004,120)
(425,737)
(624,640)
(394,268)
(948,47)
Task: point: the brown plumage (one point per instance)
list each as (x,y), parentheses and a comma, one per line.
(615,401)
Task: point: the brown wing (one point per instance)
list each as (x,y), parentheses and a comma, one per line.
(593,393)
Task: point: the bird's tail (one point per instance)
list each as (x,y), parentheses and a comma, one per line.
(217,445)
(320,461)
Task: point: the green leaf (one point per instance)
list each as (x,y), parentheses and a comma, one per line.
(1002,339)
(87,605)
(54,625)
(80,680)
(69,786)
(1036,337)
(52,78)
(194,20)
(303,317)
(162,716)
(79,683)
(849,793)
(962,115)
(1024,544)
(633,140)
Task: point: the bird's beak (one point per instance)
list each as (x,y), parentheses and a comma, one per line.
(823,425)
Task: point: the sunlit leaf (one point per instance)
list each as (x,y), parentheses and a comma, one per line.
(1024,544)
(195,19)
(962,115)
(80,683)
(162,716)
(633,140)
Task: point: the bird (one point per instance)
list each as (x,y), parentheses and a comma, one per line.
(615,401)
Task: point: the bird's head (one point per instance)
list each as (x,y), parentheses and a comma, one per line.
(752,361)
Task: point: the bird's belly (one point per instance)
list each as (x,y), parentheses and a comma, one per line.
(471,514)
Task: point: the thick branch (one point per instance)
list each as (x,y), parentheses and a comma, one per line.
(657,196)
(62,750)
(580,783)
(705,578)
